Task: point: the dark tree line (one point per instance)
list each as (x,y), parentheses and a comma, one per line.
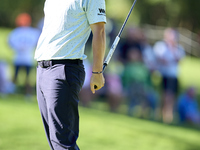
(182,13)
(9,9)
(177,13)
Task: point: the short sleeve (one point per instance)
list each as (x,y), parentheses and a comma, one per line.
(96,11)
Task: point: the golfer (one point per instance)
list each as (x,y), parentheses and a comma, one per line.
(60,70)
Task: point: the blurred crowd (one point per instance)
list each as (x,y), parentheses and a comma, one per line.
(145,78)
(141,76)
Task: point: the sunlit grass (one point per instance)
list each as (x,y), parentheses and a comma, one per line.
(190,72)
(5,53)
(21,129)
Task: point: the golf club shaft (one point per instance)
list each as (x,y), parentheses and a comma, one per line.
(115,43)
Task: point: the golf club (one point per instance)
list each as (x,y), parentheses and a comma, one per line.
(116,41)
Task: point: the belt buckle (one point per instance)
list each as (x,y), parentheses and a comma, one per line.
(42,64)
(46,63)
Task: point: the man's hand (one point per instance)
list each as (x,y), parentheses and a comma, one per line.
(98,81)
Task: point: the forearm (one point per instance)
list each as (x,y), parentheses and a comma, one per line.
(98,46)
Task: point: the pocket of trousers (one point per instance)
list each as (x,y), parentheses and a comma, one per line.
(75,76)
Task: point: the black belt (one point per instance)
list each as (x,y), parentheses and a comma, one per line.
(49,63)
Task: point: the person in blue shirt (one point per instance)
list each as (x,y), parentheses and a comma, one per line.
(188,107)
(23,40)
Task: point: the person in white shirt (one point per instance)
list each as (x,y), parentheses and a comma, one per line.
(168,54)
(60,71)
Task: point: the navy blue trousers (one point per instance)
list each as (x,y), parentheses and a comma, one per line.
(58,86)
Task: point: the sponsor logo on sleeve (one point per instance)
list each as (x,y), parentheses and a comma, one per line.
(102,12)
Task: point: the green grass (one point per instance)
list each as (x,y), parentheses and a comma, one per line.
(5,53)
(20,125)
(21,129)
(189,73)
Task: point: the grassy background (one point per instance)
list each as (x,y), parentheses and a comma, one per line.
(21,129)
(21,126)
(5,52)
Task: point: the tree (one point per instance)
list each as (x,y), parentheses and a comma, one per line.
(175,13)
(9,9)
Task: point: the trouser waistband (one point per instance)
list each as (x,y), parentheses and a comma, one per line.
(49,63)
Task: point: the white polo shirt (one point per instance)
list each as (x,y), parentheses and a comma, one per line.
(67,28)
(170,67)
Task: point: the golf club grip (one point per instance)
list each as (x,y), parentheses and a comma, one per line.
(114,45)
(112,49)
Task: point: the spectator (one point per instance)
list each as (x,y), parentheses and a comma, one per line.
(168,54)
(114,89)
(188,107)
(136,82)
(23,40)
(147,53)
(132,39)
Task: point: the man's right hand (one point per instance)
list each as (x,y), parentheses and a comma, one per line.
(97,81)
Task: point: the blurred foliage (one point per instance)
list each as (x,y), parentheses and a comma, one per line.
(174,13)
(9,9)
(177,13)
